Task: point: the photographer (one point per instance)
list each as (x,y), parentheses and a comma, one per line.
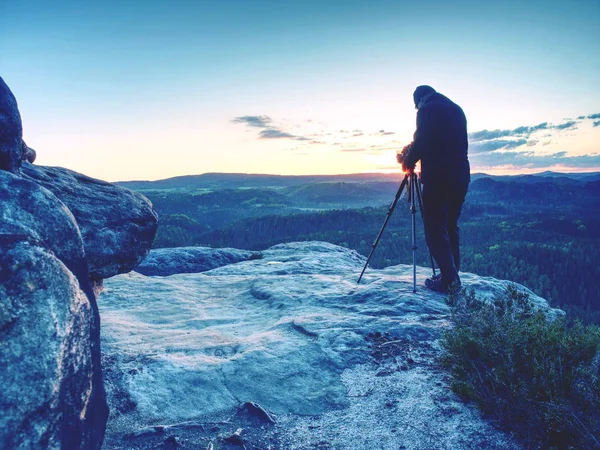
(440,143)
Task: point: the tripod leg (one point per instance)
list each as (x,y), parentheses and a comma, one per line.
(413,210)
(420,198)
(389,214)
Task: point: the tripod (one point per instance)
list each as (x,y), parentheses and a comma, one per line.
(413,188)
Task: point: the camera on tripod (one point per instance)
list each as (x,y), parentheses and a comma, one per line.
(401,156)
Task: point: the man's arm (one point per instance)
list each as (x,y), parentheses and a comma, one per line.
(420,140)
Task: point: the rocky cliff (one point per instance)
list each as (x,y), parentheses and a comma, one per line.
(61,235)
(288,349)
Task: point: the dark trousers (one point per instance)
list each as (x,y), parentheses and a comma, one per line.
(441,210)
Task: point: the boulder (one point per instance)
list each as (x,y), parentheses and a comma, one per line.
(61,233)
(52,392)
(11,130)
(170,261)
(117,225)
(28,154)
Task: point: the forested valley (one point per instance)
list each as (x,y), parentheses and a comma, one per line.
(541,231)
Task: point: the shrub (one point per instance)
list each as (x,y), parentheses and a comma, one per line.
(539,377)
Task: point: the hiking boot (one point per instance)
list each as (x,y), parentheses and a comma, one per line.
(438,284)
(434,278)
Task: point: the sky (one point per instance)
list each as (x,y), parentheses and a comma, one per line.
(146,90)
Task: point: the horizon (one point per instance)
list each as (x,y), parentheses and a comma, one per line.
(399,173)
(123,91)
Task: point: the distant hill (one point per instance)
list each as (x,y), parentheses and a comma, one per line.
(548,176)
(212,181)
(216,181)
(217,199)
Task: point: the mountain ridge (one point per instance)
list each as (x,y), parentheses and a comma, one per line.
(217,180)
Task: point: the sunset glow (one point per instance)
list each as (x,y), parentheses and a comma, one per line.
(148,91)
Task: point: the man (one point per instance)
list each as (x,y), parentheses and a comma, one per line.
(440,143)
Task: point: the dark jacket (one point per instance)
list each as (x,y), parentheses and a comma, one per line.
(440,142)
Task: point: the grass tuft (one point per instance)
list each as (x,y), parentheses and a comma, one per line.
(538,377)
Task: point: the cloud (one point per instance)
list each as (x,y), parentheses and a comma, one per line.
(531,160)
(274,133)
(495,144)
(564,126)
(489,146)
(253,121)
(484,145)
(487,141)
(270,131)
(382,133)
(496,148)
(485,135)
(515,144)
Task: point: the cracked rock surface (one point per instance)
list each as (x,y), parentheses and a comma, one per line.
(338,365)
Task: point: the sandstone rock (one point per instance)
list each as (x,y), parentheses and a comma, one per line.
(169,261)
(52,392)
(117,225)
(292,333)
(61,233)
(28,153)
(11,130)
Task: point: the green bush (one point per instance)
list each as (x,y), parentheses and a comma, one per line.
(538,376)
